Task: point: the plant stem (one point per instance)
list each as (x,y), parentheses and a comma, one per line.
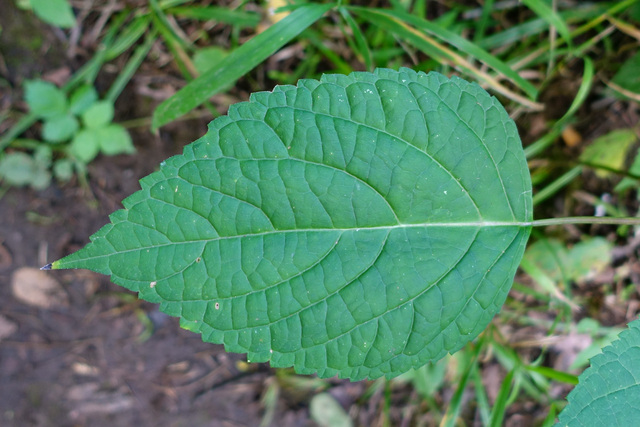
(585,220)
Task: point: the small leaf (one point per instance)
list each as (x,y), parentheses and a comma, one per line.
(63,170)
(82,98)
(19,169)
(561,264)
(54,12)
(608,393)
(60,128)
(427,379)
(627,76)
(44,99)
(609,151)
(359,226)
(98,115)
(114,139)
(85,146)
(16,169)
(327,412)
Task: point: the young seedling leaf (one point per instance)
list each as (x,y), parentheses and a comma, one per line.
(45,100)
(98,115)
(60,128)
(358,226)
(608,392)
(85,146)
(16,169)
(54,12)
(82,98)
(114,139)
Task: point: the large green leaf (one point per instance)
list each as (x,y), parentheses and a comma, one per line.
(608,393)
(359,225)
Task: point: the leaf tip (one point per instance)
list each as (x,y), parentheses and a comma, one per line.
(47,267)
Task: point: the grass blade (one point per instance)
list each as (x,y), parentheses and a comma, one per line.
(464,45)
(498,411)
(360,41)
(132,65)
(219,14)
(484,409)
(455,405)
(177,45)
(238,63)
(580,98)
(557,185)
(545,12)
(544,48)
(517,33)
(559,376)
(487,8)
(441,53)
(128,37)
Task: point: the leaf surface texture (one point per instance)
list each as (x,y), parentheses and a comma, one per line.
(608,392)
(358,226)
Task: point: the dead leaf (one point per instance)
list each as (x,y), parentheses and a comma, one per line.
(34,287)
(89,399)
(571,136)
(7,327)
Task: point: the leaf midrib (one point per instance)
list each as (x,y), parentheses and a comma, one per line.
(471,224)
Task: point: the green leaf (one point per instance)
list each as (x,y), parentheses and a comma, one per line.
(114,139)
(19,169)
(45,100)
(128,36)
(608,392)
(239,62)
(560,264)
(85,146)
(54,12)
(207,58)
(63,169)
(98,115)
(327,412)
(627,77)
(609,152)
(60,128)
(82,98)
(427,379)
(360,225)
(16,169)
(545,12)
